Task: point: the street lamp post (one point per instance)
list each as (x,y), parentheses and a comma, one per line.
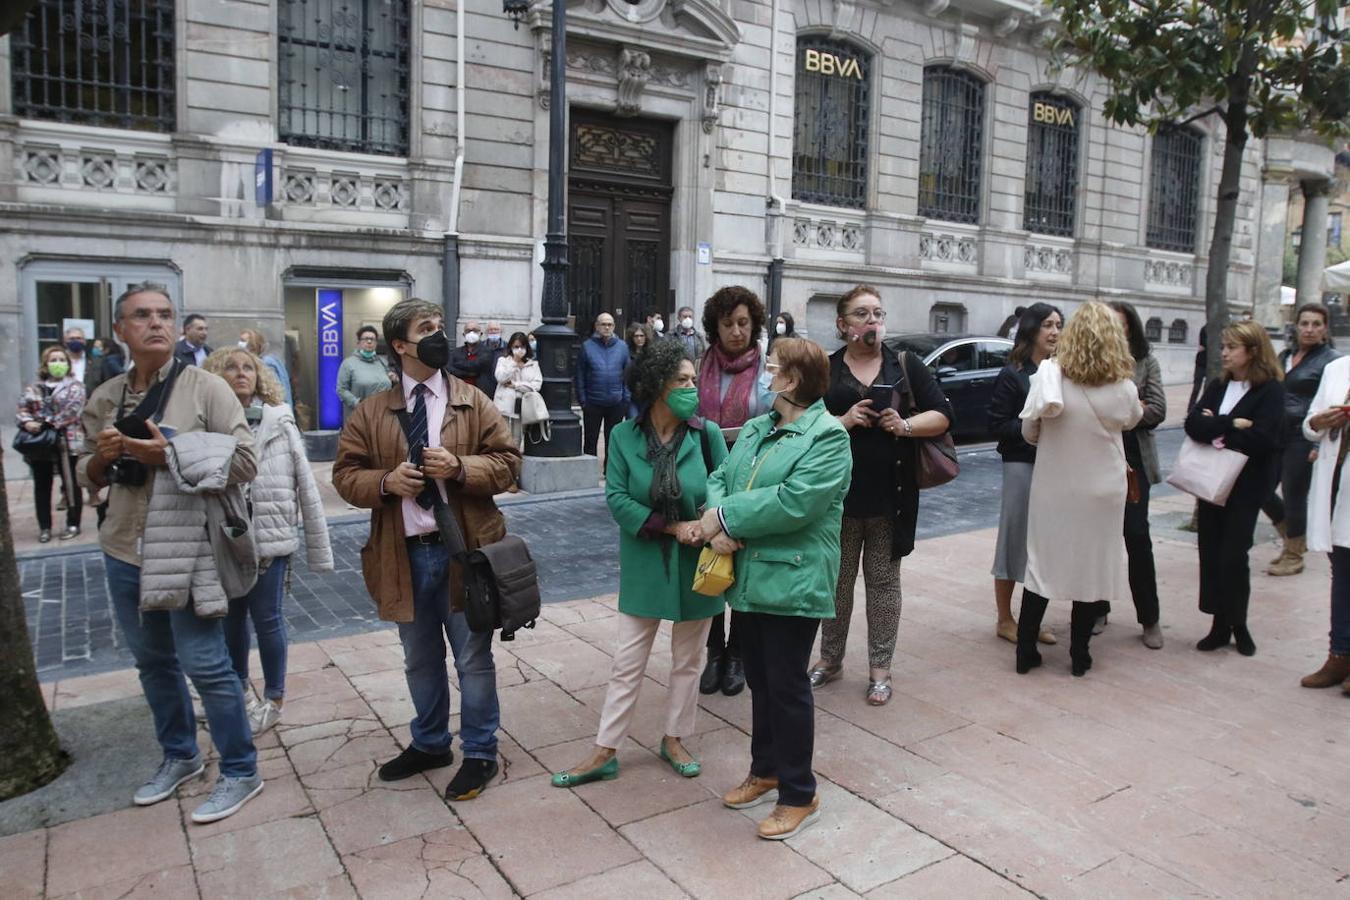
(556,340)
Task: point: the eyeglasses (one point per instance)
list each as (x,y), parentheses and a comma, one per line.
(865,315)
(773,367)
(143,316)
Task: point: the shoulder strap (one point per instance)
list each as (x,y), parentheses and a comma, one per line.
(907,392)
(446,522)
(707,449)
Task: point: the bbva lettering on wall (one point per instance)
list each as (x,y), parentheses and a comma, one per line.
(827,63)
(1052,114)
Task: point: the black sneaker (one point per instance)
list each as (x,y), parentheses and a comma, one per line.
(412,761)
(471,779)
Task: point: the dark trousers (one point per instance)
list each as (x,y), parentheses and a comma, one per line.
(1139,547)
(1225,537)
(720,640)
(44,474)
(592,418)
(777,652)
(1340,600)
(1295,482)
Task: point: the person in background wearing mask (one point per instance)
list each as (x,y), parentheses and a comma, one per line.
(55,401)
(638,337)
(473,363)
(254,342)
(517,375)
(783,326)
(364,372)
(192,348)
(694,344)
(599,383)
(495,348)
(107,353)
(83,367)
(431,443)
(657,323)
(655,483)
(534,345)
(867,383)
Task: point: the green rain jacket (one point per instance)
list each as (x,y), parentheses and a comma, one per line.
(789,517)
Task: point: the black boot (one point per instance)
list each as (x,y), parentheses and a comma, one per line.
(1243,638)
(733,679)
(1028,629)
(1081,620)
(711,681)
(1219,634)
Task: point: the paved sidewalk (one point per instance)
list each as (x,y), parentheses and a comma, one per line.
(1162,773)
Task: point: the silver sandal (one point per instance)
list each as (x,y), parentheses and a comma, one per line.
(823,675)
(880,690)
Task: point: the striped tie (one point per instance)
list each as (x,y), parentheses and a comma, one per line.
(417,443)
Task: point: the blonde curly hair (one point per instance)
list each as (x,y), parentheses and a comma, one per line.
(268,389)
(1093,350)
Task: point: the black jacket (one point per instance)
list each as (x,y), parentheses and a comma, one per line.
(1261,443)
(481,371)
(1300,386)
(187,353)
(1005,411)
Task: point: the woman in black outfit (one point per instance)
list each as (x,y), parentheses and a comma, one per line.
(1302,365)
(1246,409)
(1036,338)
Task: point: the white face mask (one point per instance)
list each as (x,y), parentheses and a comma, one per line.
(780,328)
(687,323)
(470,337)
(243,345)
(658,326)
(518,352)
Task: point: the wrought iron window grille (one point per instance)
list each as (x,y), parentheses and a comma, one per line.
(1176,332)
(1174,189)
(951,145)
(832,117)
(344,75)
(1051,192)
(108,63)
(1153,329)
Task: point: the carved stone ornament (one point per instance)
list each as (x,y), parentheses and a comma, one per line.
(712,96)
(935,8)
(635,69)
(1007,25)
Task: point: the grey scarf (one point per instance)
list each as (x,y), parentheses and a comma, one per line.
(666,491)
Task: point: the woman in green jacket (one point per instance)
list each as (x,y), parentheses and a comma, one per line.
(656,480)
(776,503)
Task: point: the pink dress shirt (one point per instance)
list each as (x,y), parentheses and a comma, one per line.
(417,520)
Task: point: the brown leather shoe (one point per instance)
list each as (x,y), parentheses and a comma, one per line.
(753,790)
(786,821)
(1333,672)
(1345,688)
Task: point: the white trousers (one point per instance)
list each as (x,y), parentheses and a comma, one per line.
(632,650)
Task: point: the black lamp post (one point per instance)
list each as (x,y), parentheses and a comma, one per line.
(556,340)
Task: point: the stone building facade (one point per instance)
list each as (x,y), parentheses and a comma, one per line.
(925,147)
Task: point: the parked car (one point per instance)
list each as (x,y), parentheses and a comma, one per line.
(965,366)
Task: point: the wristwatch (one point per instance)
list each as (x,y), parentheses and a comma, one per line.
(909,429)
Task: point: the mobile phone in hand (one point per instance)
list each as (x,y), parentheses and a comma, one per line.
(133,425)
(882,396)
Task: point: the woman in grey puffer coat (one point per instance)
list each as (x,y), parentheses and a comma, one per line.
(282,495)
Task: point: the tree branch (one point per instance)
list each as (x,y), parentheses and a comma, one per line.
(1200,115)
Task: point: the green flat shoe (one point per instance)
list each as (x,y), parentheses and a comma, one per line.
(690,769)
(607,771)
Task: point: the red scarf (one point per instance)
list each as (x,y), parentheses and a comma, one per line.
(731,410)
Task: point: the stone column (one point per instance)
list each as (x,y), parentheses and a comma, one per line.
(1272,233)
(1312,250)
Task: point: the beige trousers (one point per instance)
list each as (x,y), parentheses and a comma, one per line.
(632,650)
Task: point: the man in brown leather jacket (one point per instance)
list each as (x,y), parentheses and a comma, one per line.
(464,455)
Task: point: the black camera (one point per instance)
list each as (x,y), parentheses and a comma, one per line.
(127,471)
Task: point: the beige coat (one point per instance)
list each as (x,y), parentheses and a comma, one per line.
(1075,548)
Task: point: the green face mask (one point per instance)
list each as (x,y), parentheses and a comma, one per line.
(367,355)
(58,369)
(683,402)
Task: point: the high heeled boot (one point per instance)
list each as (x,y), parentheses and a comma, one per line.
(1081,620)
(1028,629)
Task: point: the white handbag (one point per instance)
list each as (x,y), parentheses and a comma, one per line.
(1206,472)
(534,411)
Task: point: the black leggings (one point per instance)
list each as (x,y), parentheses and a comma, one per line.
(1295,482)
(44,473)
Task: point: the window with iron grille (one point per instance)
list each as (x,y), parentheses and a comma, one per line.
(1174,190)
(344,74)
(1153,330)
(1176,332)
(1052,165)
(829,152)
(97,62)
(951,145)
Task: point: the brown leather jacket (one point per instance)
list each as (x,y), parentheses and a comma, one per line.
(372,444)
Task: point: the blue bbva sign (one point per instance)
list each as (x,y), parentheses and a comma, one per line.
(329,314)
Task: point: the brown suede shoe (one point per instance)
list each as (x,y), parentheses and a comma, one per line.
(1333,672)
(753,790)
(786,821)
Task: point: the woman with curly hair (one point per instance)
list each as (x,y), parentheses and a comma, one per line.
(656,480)
(731,391)
(282,495)
(1079,404)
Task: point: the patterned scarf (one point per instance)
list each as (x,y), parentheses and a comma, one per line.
(732,410)
(666,492)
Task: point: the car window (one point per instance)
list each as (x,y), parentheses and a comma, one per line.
(994,354)
(961,357)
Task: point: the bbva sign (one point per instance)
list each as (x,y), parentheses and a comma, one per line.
(1052,114)
(827,63)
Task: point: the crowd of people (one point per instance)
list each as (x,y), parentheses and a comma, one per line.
(731,446)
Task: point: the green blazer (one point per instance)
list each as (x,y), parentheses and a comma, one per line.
(789,518)
(648,587)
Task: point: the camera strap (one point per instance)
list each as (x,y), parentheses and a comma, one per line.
(152,404)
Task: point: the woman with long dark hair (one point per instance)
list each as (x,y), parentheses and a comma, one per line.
(783,327)
(54,403)
(1036,338)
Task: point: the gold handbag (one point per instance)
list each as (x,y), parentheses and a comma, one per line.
(716,571)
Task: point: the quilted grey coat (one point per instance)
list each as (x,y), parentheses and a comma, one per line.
(186,509)
(285,493)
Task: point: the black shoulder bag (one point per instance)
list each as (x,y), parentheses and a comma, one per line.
(501,580)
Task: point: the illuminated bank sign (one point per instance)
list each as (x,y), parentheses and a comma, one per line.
(826,63)
(1052,113)
(328,308)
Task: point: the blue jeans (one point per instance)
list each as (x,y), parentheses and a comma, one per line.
(263,606)
(424,663)
(167,645)
(1340,600)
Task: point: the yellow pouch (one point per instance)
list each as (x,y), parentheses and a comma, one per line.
(715,573)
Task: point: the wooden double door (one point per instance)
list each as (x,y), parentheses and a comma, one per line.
(618,219)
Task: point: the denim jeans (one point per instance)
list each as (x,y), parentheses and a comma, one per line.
(168,645)
(424,641)
(263,606)
(1340,600)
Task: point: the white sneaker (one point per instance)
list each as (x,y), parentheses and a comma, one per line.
(229,795)
(263,716)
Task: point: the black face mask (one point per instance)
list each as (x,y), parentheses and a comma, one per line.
(433,350)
